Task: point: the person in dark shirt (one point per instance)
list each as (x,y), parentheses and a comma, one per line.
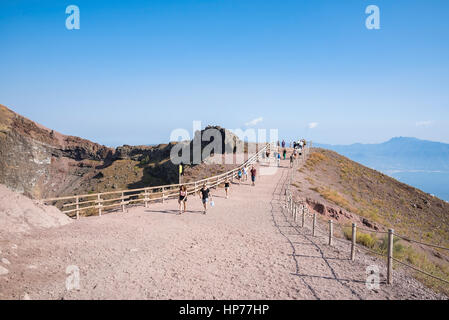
(182,198)
(227,185)
(204,195)
(253,175)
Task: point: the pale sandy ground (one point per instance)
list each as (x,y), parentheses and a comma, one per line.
(244,248)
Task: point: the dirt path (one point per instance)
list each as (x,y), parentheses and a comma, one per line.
(246,247)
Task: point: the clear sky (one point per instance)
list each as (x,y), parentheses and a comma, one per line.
(136,70)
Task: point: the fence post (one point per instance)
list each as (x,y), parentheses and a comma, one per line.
(146,198)
(303,215)
(123,202)
(163,195)
(390,257)
(296,212)
(77,208)
(353,241)
(99,204)
(314,224)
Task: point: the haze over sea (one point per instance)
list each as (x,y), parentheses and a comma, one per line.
(422,164)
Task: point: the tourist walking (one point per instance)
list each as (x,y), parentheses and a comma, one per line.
(204,196)
(284,153)
(245,174)
(182,198)
(227,186)
(239,175)
(253,175)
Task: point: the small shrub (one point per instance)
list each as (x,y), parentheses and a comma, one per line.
(364,239)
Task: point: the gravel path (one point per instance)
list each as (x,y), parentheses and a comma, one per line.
(246,247)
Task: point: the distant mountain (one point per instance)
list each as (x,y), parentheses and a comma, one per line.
(400,153)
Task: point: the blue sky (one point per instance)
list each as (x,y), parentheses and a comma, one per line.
(136,70)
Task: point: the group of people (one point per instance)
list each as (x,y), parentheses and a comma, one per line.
(301,143)
(298,144)
(297,151)
(205,193)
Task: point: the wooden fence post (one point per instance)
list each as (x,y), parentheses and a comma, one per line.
(77,208)
(163,195)
(123,202)
(146,198)
(99,204)
(314,224)
(390,257)
(331,231)
(353,241)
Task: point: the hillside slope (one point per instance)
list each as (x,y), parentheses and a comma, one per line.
(347,192)
(40,162)
(383,201)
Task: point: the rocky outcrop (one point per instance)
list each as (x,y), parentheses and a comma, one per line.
(144,153)
(40,162)
(339,214)
(19,214)
(327,210)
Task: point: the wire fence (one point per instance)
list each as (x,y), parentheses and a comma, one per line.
(294,206)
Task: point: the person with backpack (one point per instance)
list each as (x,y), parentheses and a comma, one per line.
(182,198)
(204,194)
(278,159)
(239,175)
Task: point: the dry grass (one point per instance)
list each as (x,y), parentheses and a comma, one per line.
(335,197)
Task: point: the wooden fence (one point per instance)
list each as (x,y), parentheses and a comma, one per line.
(100,202)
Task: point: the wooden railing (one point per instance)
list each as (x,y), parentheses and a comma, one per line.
(115,199)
